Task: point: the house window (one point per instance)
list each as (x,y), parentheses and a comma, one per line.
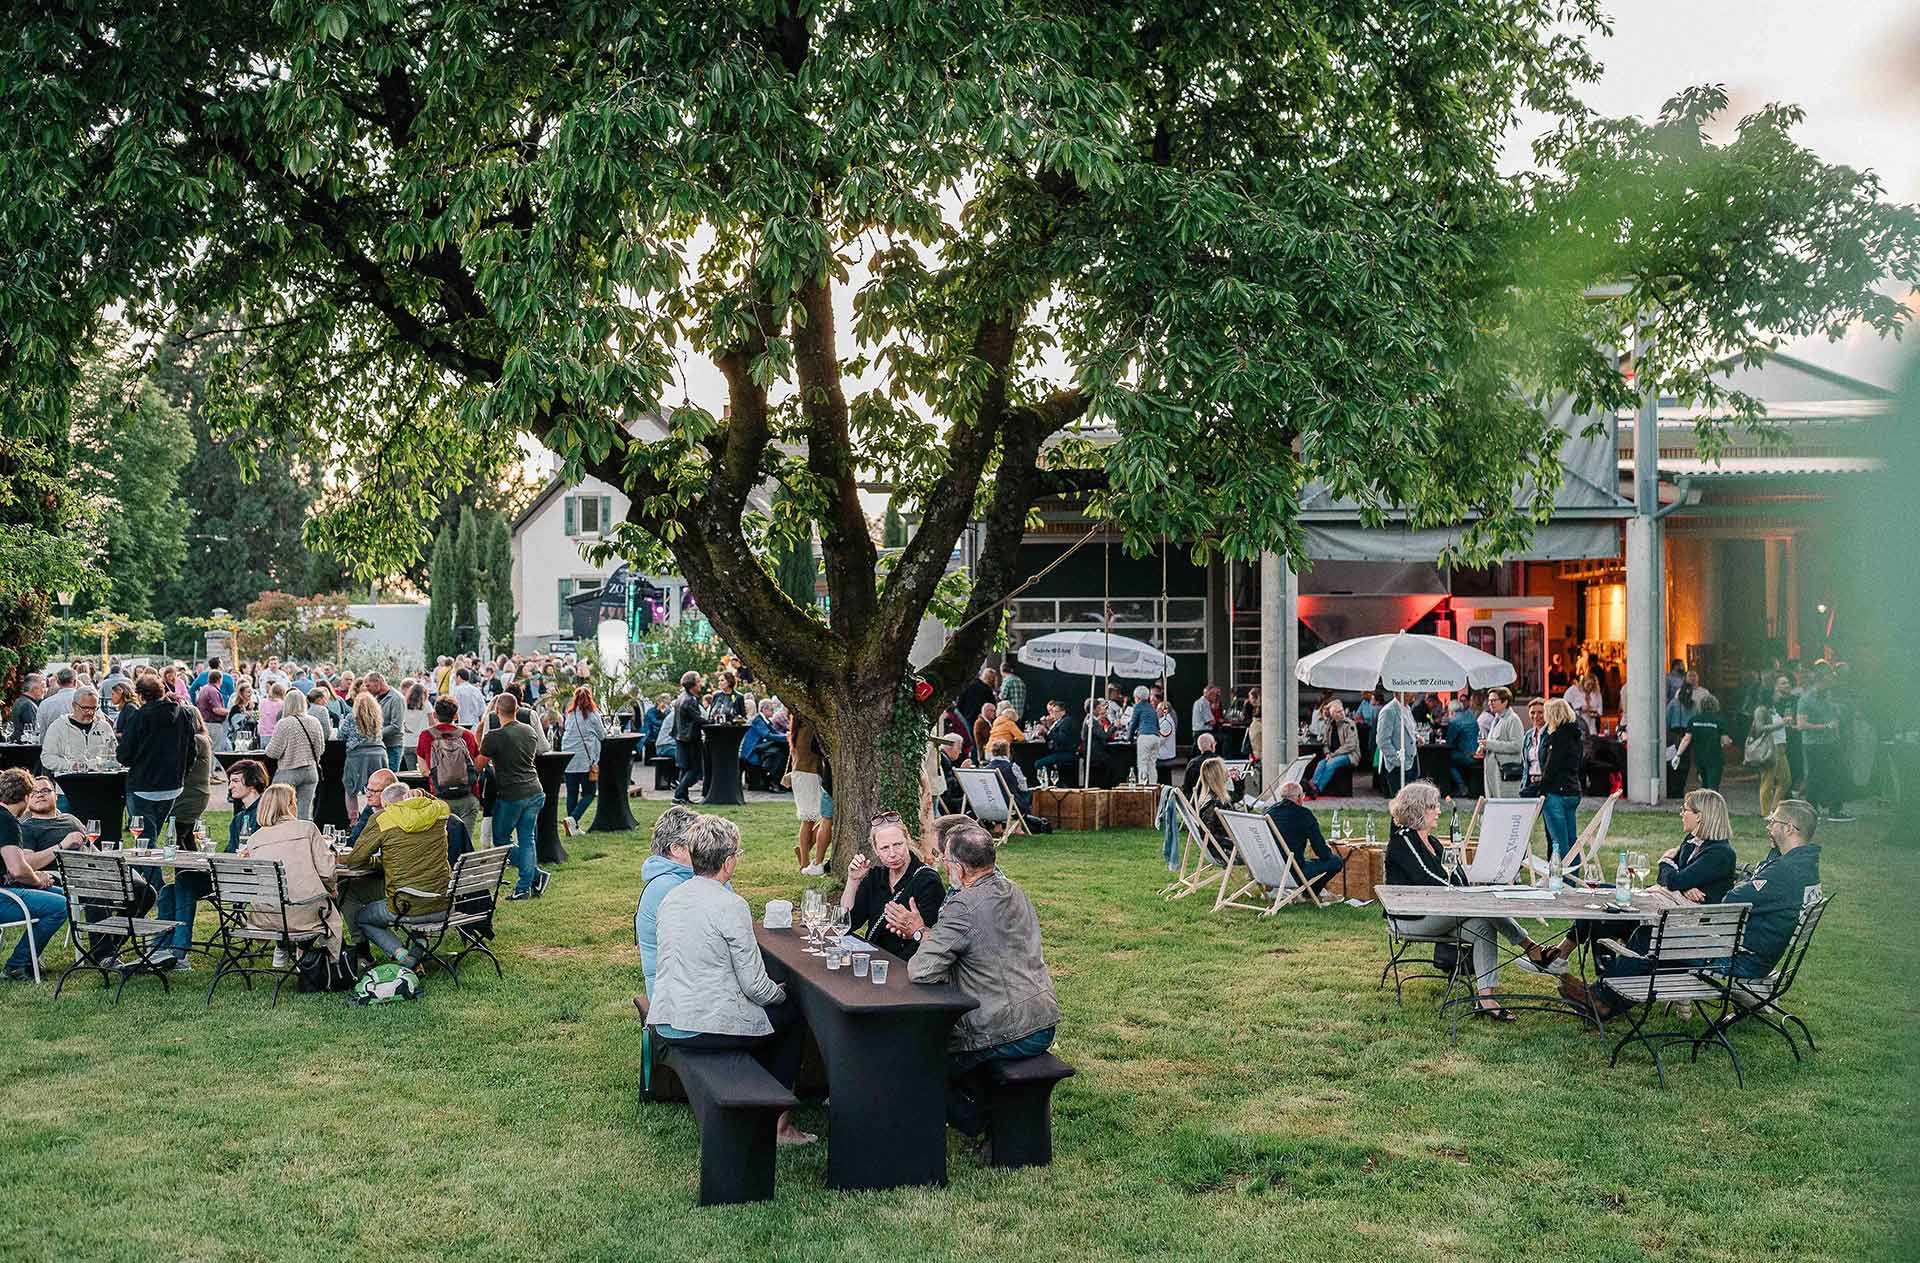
(588,515)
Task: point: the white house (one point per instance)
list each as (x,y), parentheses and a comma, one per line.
(550,566)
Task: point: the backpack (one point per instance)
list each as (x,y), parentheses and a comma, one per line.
(321,971)
(451,765)
(384,984)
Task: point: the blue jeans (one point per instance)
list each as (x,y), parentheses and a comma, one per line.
(1318,871)
(1328,769)
(48,908)
(1559,811)
(687,756)
(178,901)
(520,819)
(580,792)
(393,758)
(963,1107)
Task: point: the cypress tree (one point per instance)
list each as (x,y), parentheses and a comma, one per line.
(440,583)
(498,585)
(465,588)
(893,528)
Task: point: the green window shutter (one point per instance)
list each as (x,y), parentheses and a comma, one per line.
(565,621)
(606,514)
(570,530)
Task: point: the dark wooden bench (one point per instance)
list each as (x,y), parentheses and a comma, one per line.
(1020,1109)
(737,1104)
(1340,786)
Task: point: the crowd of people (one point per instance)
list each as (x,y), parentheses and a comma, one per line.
(941,903)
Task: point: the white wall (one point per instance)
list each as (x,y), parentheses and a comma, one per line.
(398,629)
(543,554)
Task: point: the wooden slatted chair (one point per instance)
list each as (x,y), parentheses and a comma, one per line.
(1198,863)
(1270,864)
(101,917)
(990,800)
(243,887)
(1759,999)
(1675,968)
(472,895)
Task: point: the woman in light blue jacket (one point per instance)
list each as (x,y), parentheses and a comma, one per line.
(580,735)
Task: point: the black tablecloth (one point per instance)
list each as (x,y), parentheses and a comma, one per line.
(721,749)
(885,1050)
(611,814)
(20,754)
(547,845)
(98,796)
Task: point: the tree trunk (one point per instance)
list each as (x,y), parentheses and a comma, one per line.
(855,732)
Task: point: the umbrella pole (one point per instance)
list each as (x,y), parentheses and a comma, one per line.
(1086,772)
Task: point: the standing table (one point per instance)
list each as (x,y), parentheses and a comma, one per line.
(721,745)
(550,766)
(20,754)
(885,1050)
(98,796)
(330,796)
(611,813)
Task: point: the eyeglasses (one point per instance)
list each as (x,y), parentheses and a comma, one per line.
(886,817)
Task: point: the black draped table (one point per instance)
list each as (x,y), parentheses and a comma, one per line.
(885,1049)
(550,766)
(98,796)
(20,754)
(611,812)
(330,797)
(721,746)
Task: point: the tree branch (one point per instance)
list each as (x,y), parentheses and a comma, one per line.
(852,563)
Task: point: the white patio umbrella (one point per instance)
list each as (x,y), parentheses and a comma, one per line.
(1403,663)
(1097,653)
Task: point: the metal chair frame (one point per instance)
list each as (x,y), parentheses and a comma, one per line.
(240,886)
(27,922)
(1755,998)
(103,884)
(1684,940)
(472,896)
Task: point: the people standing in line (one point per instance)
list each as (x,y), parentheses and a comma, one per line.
(508,752)
(1770,723)
(1562,754)
(1502,768)
(687,717)
(297,746)
(581,734)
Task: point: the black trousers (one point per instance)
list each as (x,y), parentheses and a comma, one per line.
(778,1053)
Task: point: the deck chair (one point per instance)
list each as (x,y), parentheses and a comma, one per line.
(242,887)
(1270,866)
(1501,831)
(1198,863)
(1672,969)
(472,894)
(1759,999)
(1584,860)
(101,917)
(27,922)
(990,800)
(1294,771)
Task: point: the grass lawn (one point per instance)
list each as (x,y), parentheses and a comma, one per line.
(1244,1093)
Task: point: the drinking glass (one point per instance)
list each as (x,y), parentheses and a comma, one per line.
(136,827)
(878,971)
(93,833)
(861,960)
(842,921)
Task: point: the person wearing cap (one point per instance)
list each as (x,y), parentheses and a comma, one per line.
(1778,893)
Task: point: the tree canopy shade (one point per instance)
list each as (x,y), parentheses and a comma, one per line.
(1262,243)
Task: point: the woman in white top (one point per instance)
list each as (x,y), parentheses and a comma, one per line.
(414,720)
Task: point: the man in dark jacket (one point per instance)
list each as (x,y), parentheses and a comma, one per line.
(156,744)
(1063,739)
(1300,830)
(686,736)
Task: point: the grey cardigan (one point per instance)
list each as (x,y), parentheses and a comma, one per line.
(1505,743)
(987,943)
(708,977)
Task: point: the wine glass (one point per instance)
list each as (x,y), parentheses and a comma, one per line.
(136,827)
(842,921)
(93,833)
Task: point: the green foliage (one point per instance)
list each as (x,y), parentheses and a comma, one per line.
(43,528)
(902,747)
(893,528)
(129,446)
(464,586)
(670,650)
(497,586)
(304,627)
(440,583)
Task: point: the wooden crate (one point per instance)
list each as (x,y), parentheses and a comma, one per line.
(1366,867)
(1131,809)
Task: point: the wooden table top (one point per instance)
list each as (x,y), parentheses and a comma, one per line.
(1508,901)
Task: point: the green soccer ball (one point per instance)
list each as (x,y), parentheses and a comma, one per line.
(386,983)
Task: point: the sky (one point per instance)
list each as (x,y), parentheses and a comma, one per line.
(1852,65)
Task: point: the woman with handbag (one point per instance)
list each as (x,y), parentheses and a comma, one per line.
(1503,769)
(580,735)
(1766,746)
(297,745)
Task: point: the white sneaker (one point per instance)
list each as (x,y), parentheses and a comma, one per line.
(567,826)
(1554,970)
(814,870)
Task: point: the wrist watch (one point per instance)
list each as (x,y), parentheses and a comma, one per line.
(917,934)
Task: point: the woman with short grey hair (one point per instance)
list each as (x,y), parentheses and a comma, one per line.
(298,742)
(710,989)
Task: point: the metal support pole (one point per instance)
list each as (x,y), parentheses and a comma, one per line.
(1644,694)
(1279,654)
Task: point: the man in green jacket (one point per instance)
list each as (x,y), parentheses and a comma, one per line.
(410,838)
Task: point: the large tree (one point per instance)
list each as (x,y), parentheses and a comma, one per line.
(1262,243)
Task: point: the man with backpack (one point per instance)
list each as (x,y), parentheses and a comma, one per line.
(451,756)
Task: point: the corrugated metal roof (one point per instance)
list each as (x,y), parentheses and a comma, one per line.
(1764,466)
